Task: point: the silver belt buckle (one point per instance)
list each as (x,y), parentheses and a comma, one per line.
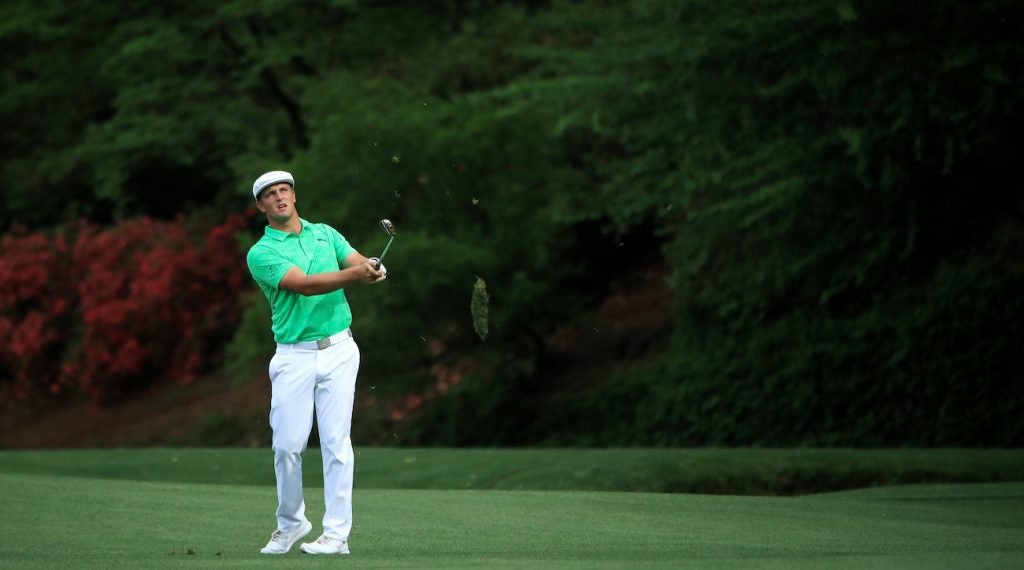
(323,343)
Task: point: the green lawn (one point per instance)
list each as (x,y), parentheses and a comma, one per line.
(123,511)
(719,471)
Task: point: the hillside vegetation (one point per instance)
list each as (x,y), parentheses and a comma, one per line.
(698,223)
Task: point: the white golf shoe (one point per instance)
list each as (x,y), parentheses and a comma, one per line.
(325,545)
(281,542)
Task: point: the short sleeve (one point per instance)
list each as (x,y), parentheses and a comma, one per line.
(342,248)
(267,266)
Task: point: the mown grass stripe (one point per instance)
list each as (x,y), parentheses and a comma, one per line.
(64,521)
(723,471)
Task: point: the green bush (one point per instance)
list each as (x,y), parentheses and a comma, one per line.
(822,186)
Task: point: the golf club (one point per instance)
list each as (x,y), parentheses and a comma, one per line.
(389,228)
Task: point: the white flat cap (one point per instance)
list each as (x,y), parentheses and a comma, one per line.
(269,179)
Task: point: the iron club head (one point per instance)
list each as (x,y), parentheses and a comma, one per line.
(389,228)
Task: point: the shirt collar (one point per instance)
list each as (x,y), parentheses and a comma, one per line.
(279,235)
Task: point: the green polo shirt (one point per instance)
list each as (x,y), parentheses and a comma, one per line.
(317,248)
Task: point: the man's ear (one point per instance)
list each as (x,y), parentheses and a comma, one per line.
(261,207)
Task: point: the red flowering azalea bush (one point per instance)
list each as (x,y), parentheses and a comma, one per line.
(37,301)
(106,311)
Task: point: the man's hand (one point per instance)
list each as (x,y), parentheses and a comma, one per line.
(368,272)
(377,264)
(358,270)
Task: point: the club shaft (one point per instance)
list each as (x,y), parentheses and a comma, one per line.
(386,247)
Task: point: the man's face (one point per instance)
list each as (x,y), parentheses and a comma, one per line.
(277,201)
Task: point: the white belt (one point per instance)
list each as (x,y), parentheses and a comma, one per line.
(317,344)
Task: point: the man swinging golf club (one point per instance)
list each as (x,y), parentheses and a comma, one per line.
(303,269)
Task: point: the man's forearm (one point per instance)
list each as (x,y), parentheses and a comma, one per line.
(321,283)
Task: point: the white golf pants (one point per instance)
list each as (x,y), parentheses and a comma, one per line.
(304,379)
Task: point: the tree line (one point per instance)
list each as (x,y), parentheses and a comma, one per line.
(824,190)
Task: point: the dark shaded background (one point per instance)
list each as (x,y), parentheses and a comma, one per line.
(750,223)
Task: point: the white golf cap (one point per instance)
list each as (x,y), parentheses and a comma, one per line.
(269,179)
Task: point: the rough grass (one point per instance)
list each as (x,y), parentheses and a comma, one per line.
(720,471)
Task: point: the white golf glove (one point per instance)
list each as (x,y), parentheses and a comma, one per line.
(380,267)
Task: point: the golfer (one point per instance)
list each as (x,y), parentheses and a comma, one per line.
(303,268)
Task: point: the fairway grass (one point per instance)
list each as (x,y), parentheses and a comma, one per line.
(51,521)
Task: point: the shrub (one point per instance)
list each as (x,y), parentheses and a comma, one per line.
(36,312)
(103,312)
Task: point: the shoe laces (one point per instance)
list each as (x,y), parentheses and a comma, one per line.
(328,541)
(277,536)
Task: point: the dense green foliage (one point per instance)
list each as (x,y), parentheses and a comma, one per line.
(825,187)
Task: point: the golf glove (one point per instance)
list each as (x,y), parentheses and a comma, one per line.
(380,266)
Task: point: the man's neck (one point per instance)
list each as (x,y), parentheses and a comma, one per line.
(292,226)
